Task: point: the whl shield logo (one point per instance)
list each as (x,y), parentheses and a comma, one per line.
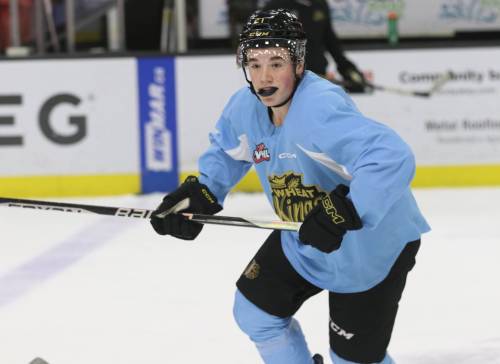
(261,153)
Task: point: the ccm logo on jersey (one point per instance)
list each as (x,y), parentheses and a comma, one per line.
(261,153)
(287,156)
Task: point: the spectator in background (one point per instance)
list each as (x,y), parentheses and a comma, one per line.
(238,13)
(143,21)
(321,37)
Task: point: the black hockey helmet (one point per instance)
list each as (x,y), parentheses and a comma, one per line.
(273,28)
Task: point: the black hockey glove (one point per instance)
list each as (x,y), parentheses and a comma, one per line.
(325,225)
(191,196)
(353,79)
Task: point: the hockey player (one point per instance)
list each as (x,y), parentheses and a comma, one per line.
(322,162)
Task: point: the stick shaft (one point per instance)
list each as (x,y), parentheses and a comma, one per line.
(75,208)
(399,91)
(436,86)
(144,213)
(246,222)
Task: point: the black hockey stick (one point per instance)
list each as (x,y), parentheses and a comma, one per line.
(399,91)
(436,86)
(145,214)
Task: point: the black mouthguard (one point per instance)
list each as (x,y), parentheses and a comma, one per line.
(268,91)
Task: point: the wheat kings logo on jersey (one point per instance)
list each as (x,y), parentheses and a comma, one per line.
(292,200)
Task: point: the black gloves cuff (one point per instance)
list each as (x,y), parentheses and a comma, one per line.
(194,197)
(344,65)
(353,79)
(325,225)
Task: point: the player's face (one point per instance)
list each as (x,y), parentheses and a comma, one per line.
(272,74)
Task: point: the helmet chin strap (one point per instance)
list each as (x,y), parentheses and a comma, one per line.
(250,85)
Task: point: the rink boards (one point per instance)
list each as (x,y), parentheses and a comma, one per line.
(455,133)
(102,126)
(87,126)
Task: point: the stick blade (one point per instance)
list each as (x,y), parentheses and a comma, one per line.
(38,360)
(422,93)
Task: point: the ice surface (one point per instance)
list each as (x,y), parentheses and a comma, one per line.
(80,289)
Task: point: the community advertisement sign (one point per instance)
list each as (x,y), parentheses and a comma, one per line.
(460,123)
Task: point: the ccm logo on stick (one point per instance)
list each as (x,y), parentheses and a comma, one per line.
(78,122)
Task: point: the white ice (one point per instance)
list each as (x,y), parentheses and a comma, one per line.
(81,289)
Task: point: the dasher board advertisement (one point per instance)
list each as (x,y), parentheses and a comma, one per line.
(158,124)
(87,126)
(68,117)
(455,133)
(460,123)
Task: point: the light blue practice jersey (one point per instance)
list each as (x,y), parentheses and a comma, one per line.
(324,141)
